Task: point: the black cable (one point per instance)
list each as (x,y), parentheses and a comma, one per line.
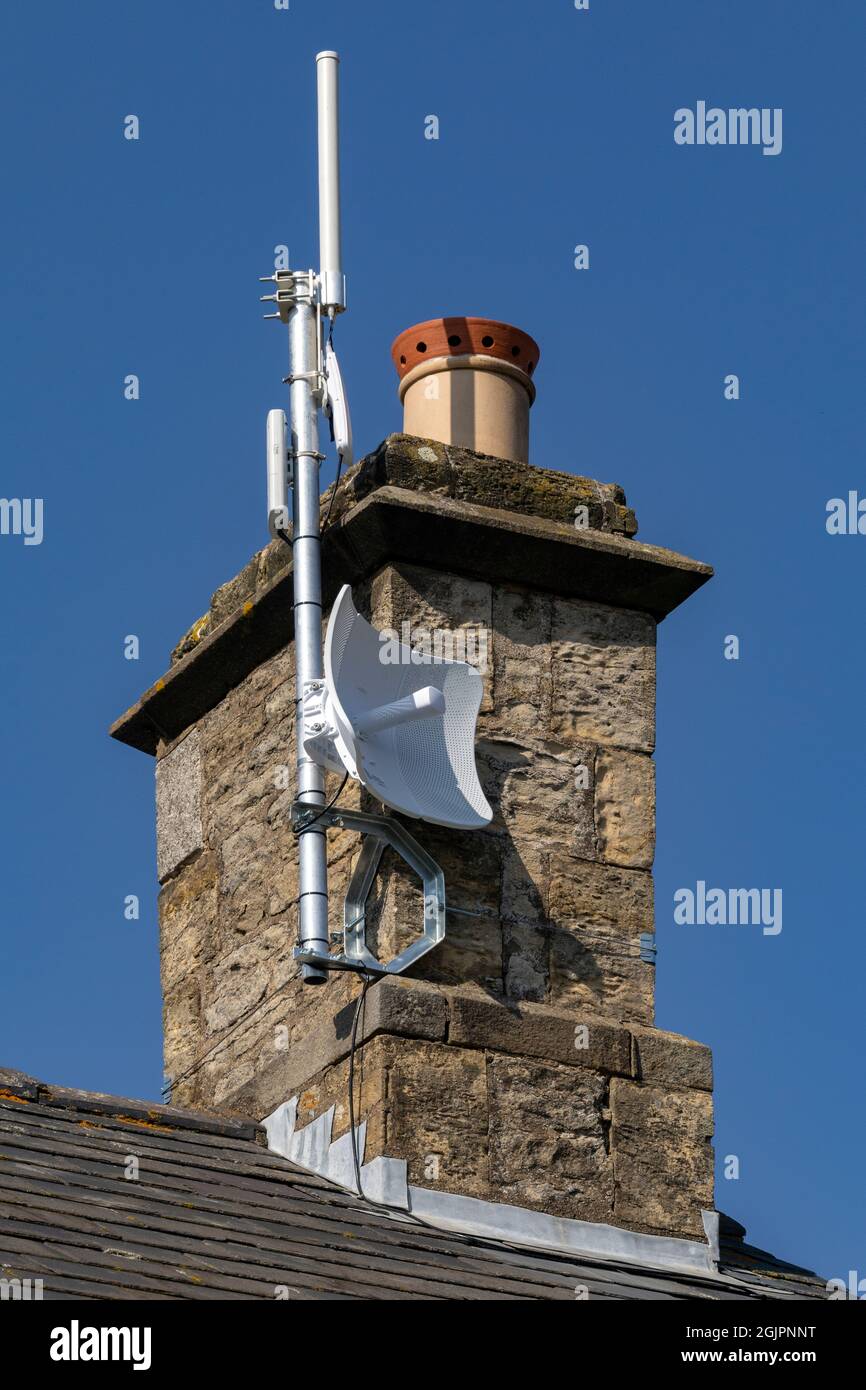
(397,1212)
(333,495)
(405,1216)
(356,1157)
(333,801)
(352,1047)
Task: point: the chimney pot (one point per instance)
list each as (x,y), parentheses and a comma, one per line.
(468,382)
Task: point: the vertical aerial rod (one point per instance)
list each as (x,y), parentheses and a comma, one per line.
(331,279)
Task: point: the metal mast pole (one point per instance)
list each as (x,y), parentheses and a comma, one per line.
(301,298)
(306,399)
(306,557)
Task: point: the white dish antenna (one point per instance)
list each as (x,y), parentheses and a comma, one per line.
(405,730)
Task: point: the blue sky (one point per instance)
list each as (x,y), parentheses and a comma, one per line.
(556,128)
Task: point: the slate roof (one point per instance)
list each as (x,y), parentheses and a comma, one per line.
(214,1215)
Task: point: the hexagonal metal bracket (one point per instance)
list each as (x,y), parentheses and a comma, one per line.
(378,833)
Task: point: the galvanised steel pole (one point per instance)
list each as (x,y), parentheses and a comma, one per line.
(326,294)
(307,567)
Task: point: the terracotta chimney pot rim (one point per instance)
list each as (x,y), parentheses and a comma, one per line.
(456,336)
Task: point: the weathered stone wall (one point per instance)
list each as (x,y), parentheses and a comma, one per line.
(559,886)
(519,1062)
(561,881)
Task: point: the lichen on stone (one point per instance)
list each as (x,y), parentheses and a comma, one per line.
(444,470)
(191,638)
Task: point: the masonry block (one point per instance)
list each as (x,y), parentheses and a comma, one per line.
(663,1156)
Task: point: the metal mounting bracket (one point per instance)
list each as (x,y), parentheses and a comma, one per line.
(648,948)
(292,287)
(378,833)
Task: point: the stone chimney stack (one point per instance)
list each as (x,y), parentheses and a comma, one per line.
(518,1063)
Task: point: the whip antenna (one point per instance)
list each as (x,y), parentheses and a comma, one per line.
(331,277)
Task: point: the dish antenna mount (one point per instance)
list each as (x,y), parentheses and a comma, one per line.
(405,731)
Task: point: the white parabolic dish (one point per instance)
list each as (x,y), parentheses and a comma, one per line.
(424,767)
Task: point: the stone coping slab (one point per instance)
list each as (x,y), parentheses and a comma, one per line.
(394,525)
(466,1018)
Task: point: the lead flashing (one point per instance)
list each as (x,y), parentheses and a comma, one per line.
(385,1182)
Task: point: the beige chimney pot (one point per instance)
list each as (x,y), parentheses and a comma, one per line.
(468,382)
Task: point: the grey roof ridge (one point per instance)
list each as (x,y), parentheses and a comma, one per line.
(18,1085)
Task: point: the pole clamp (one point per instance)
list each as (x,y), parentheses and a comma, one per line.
(306,454)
